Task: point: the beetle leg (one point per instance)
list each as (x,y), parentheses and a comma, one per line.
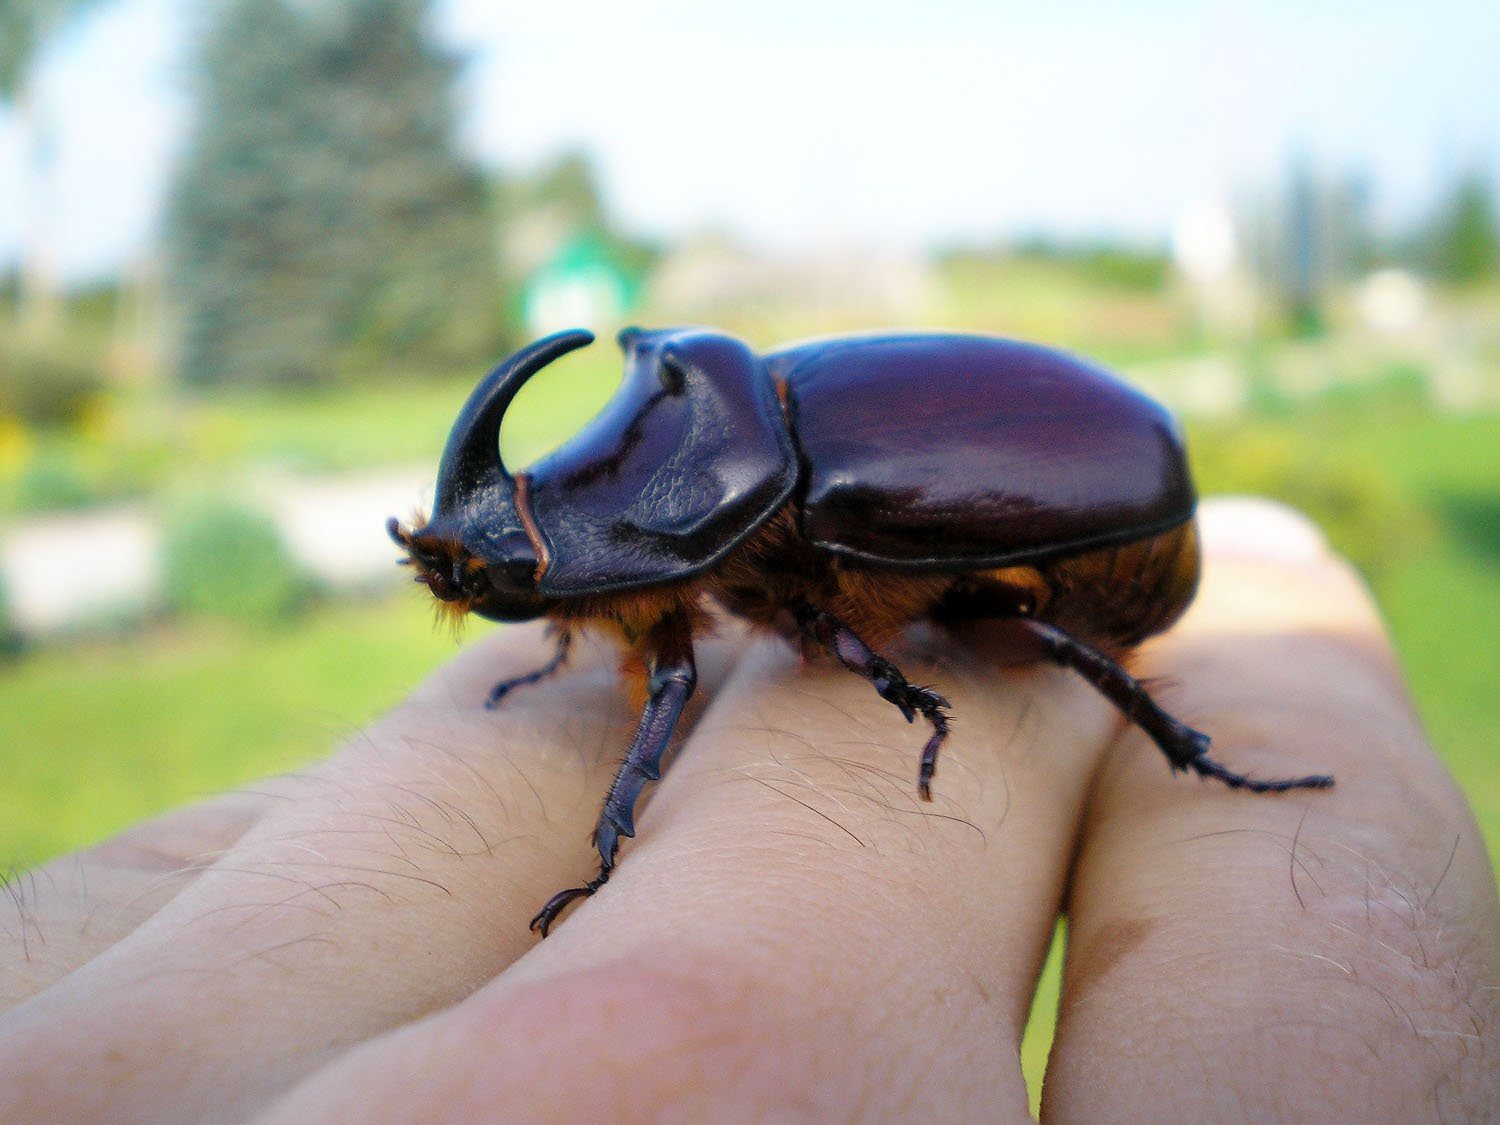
(505,687)
(672,677)
(845,644)
(1185,748)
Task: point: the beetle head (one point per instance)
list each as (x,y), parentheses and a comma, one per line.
(501,587)
(477,554)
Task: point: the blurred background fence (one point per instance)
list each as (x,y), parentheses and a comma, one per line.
(254,253)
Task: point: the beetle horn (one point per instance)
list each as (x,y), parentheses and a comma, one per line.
(471,459)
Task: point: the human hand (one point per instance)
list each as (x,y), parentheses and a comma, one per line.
(793,933)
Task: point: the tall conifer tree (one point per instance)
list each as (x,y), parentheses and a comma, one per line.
(1465,238)
(323,220)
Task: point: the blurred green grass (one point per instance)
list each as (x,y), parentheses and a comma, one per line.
(147,441)
(96,736)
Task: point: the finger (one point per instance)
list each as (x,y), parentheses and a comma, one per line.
(68,911)
(792,930)
(1325,954)
(397,877)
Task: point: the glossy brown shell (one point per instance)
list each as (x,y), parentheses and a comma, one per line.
(957,452)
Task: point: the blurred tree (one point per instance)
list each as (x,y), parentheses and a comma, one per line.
(25,26)
(1305,277)
(1300,239)
(561,204)
(322,220)
(1464,245)
(569,185)
(1356,246)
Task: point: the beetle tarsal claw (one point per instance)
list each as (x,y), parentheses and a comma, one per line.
(1205,766)
(1197,744)
(542,921)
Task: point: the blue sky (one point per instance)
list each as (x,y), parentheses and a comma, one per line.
(808,124)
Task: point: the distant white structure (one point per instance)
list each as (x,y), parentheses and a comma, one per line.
(66,570)
(1206,251)
(578,285)
(1392,302)
(1204,246)
(335,526)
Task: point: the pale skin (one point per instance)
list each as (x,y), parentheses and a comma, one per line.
(793,934)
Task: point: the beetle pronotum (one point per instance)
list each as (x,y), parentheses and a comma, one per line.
(838,490)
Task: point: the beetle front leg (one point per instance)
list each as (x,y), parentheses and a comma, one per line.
(1185,748)
(672,675)
(497,693)
(852,652)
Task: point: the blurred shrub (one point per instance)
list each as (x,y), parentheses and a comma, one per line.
(1120,268)
(71,473)
(53,480)
(1102,265)
(1463,243)
(220,559)
(49,385)
(10,637)
(1362,508)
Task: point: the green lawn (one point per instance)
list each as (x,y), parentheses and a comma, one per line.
(95,737)
(341,429)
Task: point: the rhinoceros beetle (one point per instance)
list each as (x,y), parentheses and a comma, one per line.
(838,491)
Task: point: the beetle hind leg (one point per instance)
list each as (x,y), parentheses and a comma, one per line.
(1185,748)
(498,693)
(908,698)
